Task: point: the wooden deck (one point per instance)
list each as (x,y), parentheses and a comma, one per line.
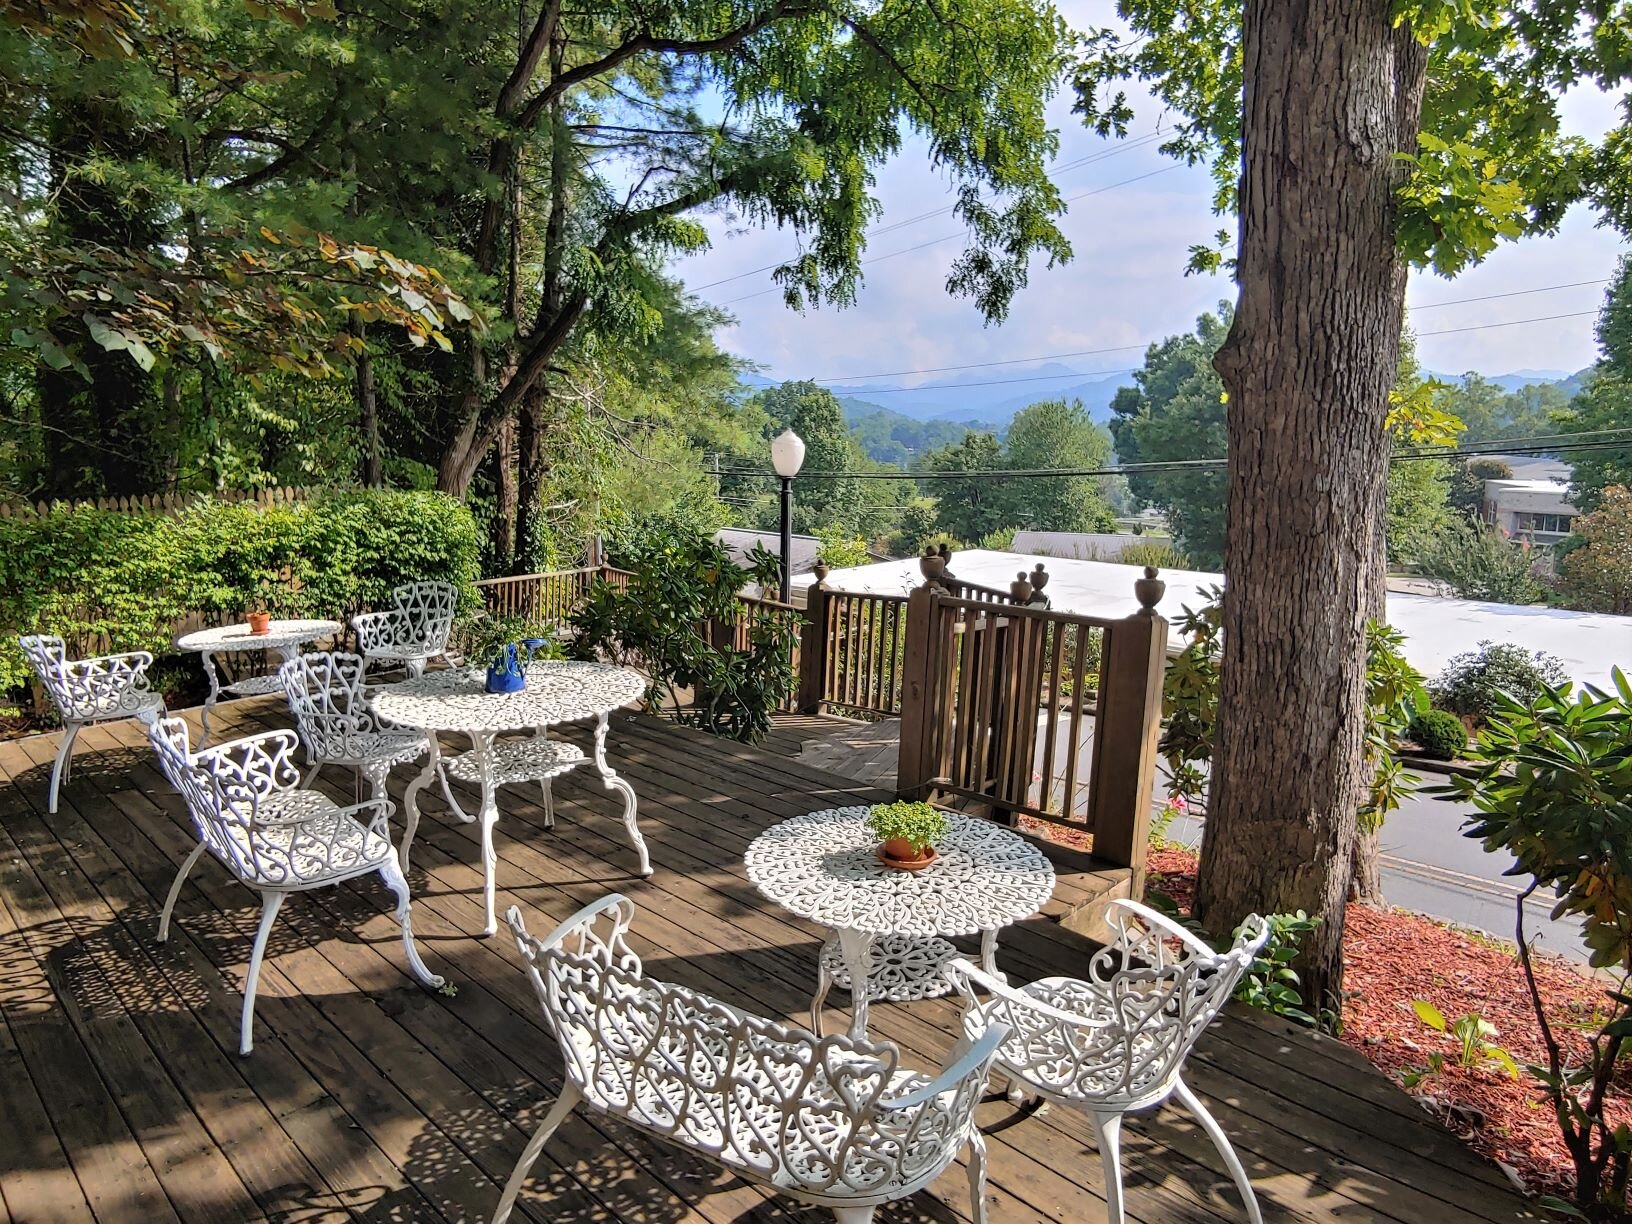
(369,1098)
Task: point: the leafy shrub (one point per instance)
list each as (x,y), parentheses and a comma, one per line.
(1476,562)
(999,540)
(1163,554)
(1439,734)
(102,579)
(1270,983)
(1555,772)
(683,588)
(841,549)
(918,823)
(1473,681)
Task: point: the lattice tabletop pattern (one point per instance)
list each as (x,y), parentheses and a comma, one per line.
(557,691)
(280,635)
(824,866)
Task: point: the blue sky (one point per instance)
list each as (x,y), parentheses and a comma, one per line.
(1126,283)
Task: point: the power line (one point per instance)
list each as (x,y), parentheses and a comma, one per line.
(1511,323)
(1535,444)
(961,233)
(879,231)
(1124,348)
(1491,297)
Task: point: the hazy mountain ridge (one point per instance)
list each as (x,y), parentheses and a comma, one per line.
(988,399)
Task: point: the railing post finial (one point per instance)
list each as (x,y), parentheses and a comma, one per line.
(1149,591)
(1020,589)
(820,571)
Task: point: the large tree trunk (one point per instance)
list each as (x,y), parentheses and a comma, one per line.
(1366,876)
(1333,91)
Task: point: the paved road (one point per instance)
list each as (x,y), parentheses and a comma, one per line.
(1430,867)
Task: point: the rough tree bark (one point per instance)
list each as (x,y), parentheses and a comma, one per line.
(1333,90)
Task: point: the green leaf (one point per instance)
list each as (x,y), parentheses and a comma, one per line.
(1429,1014)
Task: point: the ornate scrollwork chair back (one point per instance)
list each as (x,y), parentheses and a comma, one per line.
(1115,1041)
(88,690)
(329,699)
(414,630)
(827,1120)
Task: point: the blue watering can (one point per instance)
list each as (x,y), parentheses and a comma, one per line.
(505,674)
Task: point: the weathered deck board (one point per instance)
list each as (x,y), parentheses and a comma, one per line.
(370,1098)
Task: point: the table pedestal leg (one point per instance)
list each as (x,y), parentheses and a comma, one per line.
(610,780)
(988,955)
(855,945)
(208,660)
(410,798)
(488,815)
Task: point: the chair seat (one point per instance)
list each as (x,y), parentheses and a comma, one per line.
(519,760)
(303,837)
(131,703)
(1085,1063)
(404,650)
(376,747)
(753,1079)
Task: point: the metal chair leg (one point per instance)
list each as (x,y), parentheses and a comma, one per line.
(564,1105)
(59,771)
(175,891)
(271,902)
(1215,1132)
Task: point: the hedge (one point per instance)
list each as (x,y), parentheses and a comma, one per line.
(111,580)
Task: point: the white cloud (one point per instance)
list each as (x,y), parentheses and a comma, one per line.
(1126,282)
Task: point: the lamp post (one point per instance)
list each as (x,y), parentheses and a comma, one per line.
(787,457)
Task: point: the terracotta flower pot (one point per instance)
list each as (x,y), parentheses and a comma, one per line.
(260,623)
(898,852)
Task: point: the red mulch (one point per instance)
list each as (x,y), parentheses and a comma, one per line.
(1392,957)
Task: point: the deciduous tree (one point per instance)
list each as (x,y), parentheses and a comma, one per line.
(1347,160)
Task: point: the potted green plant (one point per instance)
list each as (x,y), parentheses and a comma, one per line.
(907,833)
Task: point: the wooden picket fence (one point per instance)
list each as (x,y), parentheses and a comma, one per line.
(161,503)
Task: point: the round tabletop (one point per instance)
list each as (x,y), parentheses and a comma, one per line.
(279,634)
(824,866)
(557,691)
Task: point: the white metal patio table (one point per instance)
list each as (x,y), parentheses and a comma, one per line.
(888,925)
(283,638)
(457,700)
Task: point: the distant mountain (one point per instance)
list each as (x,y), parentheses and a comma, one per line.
(891,437)
(1518,379)
(989,398)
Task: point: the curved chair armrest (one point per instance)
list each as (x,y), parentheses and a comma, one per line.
(582,918)
(377,628)
(380,821)
(966,1058)
(267,754)
(963,974)
(1160,924)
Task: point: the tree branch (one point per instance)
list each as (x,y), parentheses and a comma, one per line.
(643,43)
(291,153)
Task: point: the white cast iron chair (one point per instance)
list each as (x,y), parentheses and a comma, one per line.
(1115,1042)
(275,838)
(412,632)
(825,1120)
(89,690)
(330,703)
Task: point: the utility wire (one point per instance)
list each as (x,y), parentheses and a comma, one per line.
(1536,444)
(1124,348)
(880,231)
(963,232)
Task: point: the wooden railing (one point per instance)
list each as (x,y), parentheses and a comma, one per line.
(996,705)
(753,612)
(854,651)
(551,596)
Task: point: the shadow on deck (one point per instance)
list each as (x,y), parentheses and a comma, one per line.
(369,1098)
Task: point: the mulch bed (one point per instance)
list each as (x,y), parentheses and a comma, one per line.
(1392,957)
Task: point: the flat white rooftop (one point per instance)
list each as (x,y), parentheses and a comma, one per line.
(1588,643)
